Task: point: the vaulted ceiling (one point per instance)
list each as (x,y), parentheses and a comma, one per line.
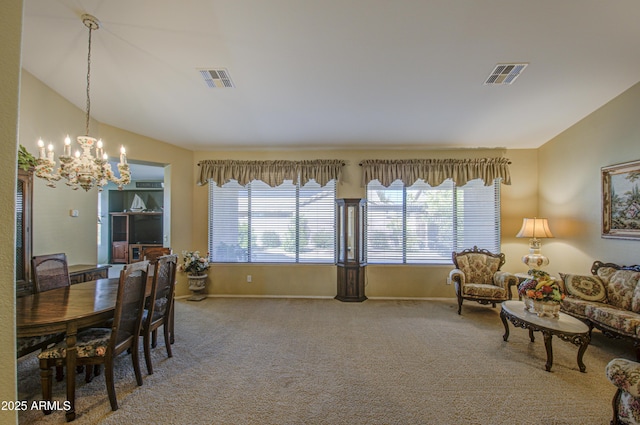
(337,73)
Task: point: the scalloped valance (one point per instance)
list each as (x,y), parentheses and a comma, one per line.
(273,173)
(435,171)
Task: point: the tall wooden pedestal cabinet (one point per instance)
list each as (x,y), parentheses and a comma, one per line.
(351,253)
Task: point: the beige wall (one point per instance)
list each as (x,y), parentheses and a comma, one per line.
(11,24)
(569,181)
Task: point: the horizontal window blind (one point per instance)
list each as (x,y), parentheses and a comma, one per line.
(262,224)
(421,224)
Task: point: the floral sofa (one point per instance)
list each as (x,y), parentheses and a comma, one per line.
(608,300)
(625,375)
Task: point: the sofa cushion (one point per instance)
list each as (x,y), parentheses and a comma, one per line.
(605,273)
(621,286)
(635,302)
(623,321)
(589,288)
(575,306)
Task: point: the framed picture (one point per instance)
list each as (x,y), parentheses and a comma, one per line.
(621,201)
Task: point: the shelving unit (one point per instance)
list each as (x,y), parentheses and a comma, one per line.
(126,244)
(130,231)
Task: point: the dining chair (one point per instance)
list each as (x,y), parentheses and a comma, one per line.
(152,253)
(97,346)
(49,272)
(159,310)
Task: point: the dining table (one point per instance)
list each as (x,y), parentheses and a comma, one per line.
(67,310)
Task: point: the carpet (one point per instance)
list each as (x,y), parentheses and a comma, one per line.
(303,361)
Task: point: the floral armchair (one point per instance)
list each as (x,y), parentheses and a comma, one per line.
(477,277)
(625,375)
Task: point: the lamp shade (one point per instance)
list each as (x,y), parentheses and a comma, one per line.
(534,228)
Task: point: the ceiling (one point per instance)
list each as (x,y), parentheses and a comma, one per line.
(324,74)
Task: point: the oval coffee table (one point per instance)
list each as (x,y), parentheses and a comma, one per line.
(565,327)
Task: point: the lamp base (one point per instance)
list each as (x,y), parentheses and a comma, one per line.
(535,260)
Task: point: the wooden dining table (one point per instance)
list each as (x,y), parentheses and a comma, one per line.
(66,310)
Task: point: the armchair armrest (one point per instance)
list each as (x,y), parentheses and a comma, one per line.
(625,375)
(457,276)
(505,280)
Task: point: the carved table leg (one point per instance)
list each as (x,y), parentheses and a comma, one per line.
(71,370)
(531,337)
(506,325)
(584,343)
(547,345)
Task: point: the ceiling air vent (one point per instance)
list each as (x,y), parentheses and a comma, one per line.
(217,78)
(505,73)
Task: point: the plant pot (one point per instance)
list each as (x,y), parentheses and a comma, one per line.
(546,308)
(528,305)
(196,285)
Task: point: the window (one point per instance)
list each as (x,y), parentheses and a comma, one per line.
(257,223)
(421,224)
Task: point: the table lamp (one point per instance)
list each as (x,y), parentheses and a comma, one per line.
(535,228)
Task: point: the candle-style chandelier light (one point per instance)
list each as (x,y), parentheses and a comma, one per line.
(83,169)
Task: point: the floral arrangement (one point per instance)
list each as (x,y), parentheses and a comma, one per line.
(540,287)
(193,263)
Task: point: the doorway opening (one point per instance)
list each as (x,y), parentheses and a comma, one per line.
(135,217)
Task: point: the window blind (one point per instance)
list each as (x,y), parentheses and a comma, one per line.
(257,223)
(421,224)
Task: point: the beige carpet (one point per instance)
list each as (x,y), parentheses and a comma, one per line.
(297,361)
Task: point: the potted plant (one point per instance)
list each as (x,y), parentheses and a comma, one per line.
(26,161)
(195,266)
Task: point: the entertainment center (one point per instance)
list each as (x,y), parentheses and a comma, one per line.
(133,229)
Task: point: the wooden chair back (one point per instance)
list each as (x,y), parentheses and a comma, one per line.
(50,272)
(162,291)
(129,307)
(160,307)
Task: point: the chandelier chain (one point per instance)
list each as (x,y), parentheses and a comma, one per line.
(88,83)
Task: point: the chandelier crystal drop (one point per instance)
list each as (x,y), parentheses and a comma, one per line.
(83,169)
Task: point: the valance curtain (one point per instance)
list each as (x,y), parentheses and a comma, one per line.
(435,171)
(273,173)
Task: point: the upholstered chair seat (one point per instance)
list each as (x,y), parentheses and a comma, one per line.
(30,344)
(91,342)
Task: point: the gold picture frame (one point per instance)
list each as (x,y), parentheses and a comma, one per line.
(621,200)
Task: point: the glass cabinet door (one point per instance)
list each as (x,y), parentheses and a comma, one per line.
(351,233)
(349,226)
(341,248)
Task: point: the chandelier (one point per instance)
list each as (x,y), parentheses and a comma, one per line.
(83,169)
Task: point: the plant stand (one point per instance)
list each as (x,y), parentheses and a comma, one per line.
(196,285)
